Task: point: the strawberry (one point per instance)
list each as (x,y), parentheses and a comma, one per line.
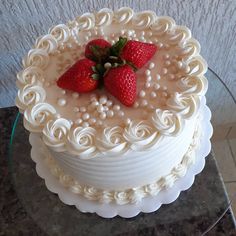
(80,77)
(121,83)
(138,53)
(94,46)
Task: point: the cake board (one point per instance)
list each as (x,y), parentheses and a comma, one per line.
(146,205)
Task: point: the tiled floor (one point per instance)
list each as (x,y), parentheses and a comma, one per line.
(224,148)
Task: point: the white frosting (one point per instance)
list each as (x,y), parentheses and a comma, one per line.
(137,128)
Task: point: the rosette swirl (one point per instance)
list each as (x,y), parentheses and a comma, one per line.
(55,134)
(30,75)
(152,189)
(141,136)
(144,19)
(167,122)
(37,116)
(91,193)
(30,95)
(61,33)
(81,142)
(112,141)
(36,57)
(104,17)
(47,43)
(198,66)
(193,85)
(124,15)
(86,21)
(185,105)
(121,197)
(179,35)
(162,25)
(190,48)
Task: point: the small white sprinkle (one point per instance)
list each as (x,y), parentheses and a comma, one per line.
(164,71)
(76,109)
(156,86)
(61,102)
(113,41)
(142,93)
(100,108)
(75,95)
(92,121)
(151,65)
(89,34)
(165,94)
(158,77)
(167,63)
(171,76)
(149,78)
(156,40)
(121,113)
(83,109)
(109,103)
(160,45)
(142,33)
(103,115)
(95,103)
(103,100)
(63,92)
(116,107)
(85,124)
(147,85)
(86,38)
(110,113)
(153,94)
(166,56)
(85,116)
(79,121)
(151,107)
(144,103)
(99,123)
(130,33)
(127,121)
(136,105)
(122,32)
(164,88)
(107,65)
(149,33)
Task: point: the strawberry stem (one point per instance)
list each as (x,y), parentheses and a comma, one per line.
(116,49)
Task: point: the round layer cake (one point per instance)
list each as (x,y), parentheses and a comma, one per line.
(95,145)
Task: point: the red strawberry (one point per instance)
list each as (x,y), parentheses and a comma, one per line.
(80,77)
(121,83)
(101,43)
(138,53)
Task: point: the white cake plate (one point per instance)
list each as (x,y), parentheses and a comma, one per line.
(148,204)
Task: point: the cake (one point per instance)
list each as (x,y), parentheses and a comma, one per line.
(96,146)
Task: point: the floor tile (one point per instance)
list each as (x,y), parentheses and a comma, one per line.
(232,144)
(225,160)
(231,189)
(232,132)
(220,132)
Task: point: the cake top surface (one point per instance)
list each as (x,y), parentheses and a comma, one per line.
(169,86)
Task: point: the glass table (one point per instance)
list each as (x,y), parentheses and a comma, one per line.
(196,211)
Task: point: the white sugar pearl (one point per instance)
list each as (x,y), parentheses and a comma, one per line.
(82,109)
(92,120)
(166,56)
(160,45)
(129,33)
(165,94)
(136,105)
(103,100)
(164,71)
(147,85)
(122,32)
(121,113)
(100,108)
(103,115)
(151,65)
(99,122)
(47,84)
(187,69)
(113,41)
(153,94)
(85,116)
(156,86)
(61,102)
(127,121)
(147,72)
(75,95)
(164,88)
(171,76)
(76,109)
(158,77)
(144,103)
(63,92)
(142,33)
(85,124)
(86,38)
(107,65)
(109,103)
(105,108)
(116,107)
(149,78)
(110,113)
(151,107)
(167,63)
(149,33)
(58,116)
(142,93)
(79,121)
(180,64)
(95,103)
(89,33)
